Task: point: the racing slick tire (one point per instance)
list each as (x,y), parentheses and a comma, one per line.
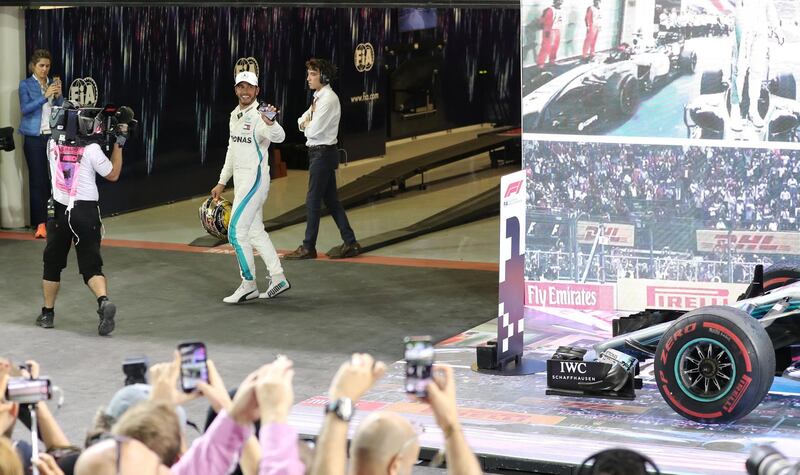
(780,274)
(687,61)
(714,364)
(711,82)
(784,85)
(621,94)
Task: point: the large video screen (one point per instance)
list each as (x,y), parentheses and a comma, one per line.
(660,140)
(691,69)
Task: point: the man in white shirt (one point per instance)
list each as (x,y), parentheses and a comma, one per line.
(320,124)
(251,132)
(77,219)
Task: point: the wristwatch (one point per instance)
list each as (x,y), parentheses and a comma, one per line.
(342,407)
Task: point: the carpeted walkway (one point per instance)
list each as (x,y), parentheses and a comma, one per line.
(332,310)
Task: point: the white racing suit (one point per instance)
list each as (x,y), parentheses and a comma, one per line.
(248,163)
(754,21)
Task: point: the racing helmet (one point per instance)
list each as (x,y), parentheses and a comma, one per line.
(215,216)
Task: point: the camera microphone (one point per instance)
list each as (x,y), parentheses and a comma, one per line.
(124,115)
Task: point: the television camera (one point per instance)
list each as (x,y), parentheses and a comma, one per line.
(6,139)
(82,126)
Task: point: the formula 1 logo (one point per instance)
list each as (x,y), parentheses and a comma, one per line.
(84,92)
(364,57)
(513,189)
(246,64)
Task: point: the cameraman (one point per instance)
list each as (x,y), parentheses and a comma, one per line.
(77,218)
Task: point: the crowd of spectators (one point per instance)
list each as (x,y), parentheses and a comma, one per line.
(718,266)
(722,188)
(142,430)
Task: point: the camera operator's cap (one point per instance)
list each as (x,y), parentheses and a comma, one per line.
(131,395)
(248,77)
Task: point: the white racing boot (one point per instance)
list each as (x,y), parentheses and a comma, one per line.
(248,290)
(277,285)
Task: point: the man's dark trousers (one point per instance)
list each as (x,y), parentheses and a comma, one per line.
(322,163)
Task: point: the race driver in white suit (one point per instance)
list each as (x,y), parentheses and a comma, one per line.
(251,132)
(755,21)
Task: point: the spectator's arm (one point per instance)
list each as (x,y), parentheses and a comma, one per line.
(353,379)
(251,456)
(331,453)
(279,449)
(27,103)
(442,398)
(50,431)
(278,441)
(214,452)
(218,398)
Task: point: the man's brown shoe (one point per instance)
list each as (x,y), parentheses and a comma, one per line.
(345,250)
(301,253)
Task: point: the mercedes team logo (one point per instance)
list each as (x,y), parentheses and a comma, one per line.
(246,64)
(364,57)
(84,92)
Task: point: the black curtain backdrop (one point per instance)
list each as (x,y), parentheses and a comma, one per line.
(174,66)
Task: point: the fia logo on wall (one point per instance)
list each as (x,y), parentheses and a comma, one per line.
(364,57)
(246,64)
(84,92)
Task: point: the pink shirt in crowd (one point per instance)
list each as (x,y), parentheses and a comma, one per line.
(214,452)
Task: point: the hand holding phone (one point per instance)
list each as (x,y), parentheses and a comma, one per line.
(268,110)
(194,367)
(419,356)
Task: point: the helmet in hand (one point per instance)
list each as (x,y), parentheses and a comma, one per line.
(215,216)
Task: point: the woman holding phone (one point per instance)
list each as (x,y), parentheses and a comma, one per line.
(37,95)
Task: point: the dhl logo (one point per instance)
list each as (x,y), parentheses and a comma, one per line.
(751,242)
(612,233)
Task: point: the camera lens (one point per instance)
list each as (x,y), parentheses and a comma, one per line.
(765,460)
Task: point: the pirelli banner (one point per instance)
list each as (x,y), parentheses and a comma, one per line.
(638,294)
(611,234)
(756,242)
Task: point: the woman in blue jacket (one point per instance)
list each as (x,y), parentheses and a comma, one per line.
(37,96)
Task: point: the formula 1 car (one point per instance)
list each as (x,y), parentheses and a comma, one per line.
(591,95)
(716,364)
(710,115)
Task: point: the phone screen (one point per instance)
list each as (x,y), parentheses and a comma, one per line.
(270,115)
(419,364)
(193,365)
(28,391)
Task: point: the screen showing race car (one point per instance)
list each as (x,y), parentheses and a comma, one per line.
(691,69)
